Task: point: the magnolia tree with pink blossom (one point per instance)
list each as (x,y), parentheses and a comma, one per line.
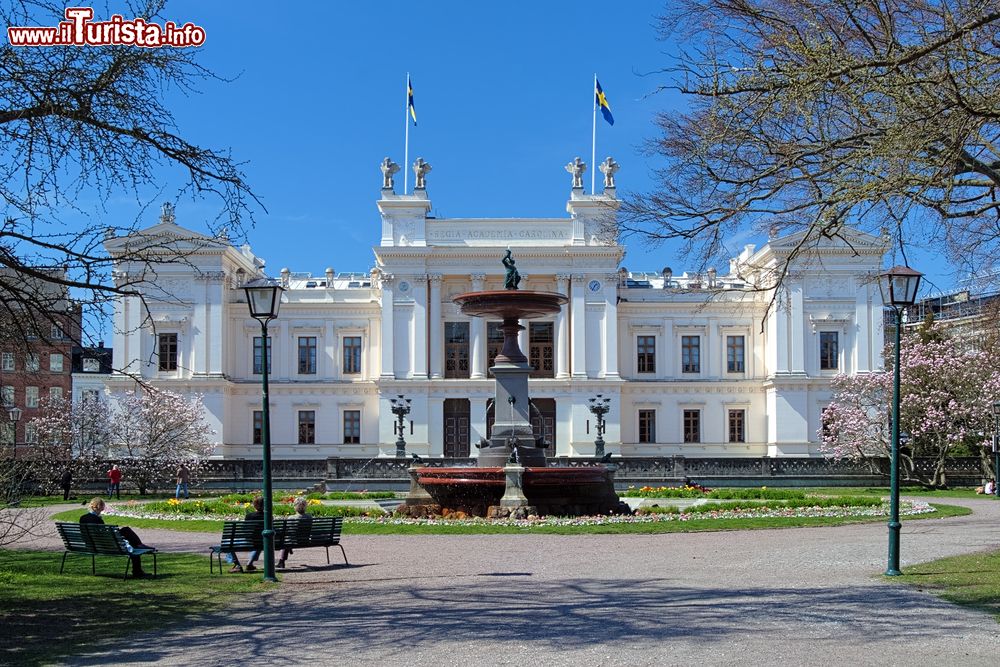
(946,396)
(152,432)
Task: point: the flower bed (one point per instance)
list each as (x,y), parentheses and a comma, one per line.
(699,491)
(820,503)
(226,508)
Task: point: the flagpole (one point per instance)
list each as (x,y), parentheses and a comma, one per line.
(406,121)
(593,141)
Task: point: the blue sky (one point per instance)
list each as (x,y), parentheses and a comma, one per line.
(503,93)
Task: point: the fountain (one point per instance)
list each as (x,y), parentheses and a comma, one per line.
(511,478)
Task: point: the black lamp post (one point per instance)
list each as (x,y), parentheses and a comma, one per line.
(599,406)
(400,408)
(899,289)
(996,448)
(264,299)
(14,415)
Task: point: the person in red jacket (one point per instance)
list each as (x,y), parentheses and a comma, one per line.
(115,482)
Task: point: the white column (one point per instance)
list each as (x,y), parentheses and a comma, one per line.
(578,325)
(611,326)
(388,368)
(282,347)
(478,330)
(418,353)
(217,337)
(798,329)
(562,329)
(328,366)
(434,323)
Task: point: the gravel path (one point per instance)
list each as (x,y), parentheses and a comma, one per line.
(767,597)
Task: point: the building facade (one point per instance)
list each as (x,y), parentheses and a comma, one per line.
(693,364)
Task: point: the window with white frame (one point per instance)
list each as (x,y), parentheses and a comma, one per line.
(735,354)
(30,433)
(7,361)
(91,365)
(56,332)
(55,394)
(829,351)
(257,435)
(352,355)
(352,427)
(166,351)
(8,395)
(55,363)
(31,397)
(91,395)
(647,426)
(645,351)
(307,355)
(692,425)
(6,433)
(31,363)
(258,355)
(307,427)
(690,354)
(737,425)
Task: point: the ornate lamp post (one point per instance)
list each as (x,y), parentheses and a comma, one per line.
(899,289)
(996,448)
(14,415)
(599,406)
(400,408)
(264,299)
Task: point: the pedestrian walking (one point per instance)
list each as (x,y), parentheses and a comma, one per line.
(66,482)
(183,477)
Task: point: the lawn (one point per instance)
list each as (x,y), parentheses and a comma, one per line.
(46,615)
(458,528)
(966,492)
(971,581)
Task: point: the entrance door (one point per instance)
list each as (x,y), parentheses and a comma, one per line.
(543,422)
(456,427)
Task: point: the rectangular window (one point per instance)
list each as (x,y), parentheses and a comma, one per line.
(56,363)
(8,395)
(7,361)
(352,355)
(645,347)
(6,433)
(737,421)
(56,332)
(257,436)
(307,427)
(31,397)
(307,355)
(167,346)
(55,393)
(30,433)
(91,395)
(31,363)
(258,354)
(540,350)
(692,426)
(456,349)
(690,354)
(91,365)
(494,343)
(352,427)
(735,354)
(647,425)
(828,350)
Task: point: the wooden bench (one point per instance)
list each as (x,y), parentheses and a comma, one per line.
(95,539)
(288,534)
(323,531)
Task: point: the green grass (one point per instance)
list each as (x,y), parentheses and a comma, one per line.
(46,615)
(971,581)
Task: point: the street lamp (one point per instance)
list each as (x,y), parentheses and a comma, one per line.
(14,415)
(599,406)
(996,448)
(264,299)
(400,408)
(899,289)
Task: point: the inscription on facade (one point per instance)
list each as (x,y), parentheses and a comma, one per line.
(497,234)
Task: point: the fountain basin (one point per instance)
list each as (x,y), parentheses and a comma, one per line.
(585,490)
(510,304)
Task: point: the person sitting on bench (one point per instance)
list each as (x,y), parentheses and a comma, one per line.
(256,515)
(300,513)
(97,506)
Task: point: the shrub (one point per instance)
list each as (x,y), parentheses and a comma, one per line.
(687,491)
(360,495)
(762,493)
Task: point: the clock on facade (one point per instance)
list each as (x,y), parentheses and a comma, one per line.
(595,285)
(404,286)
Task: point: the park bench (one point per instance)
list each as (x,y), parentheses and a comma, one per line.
(95,539)
(288,533)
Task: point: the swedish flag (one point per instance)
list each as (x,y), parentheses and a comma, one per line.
(601,100)
(409,105)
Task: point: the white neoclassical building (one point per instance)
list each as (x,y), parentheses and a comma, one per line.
(693,364)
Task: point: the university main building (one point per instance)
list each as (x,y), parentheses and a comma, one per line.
(699,365)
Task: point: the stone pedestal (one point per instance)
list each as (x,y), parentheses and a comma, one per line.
(514,494)
(417,495)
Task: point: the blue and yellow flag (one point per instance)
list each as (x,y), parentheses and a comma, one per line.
(409,105)
(601,100)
